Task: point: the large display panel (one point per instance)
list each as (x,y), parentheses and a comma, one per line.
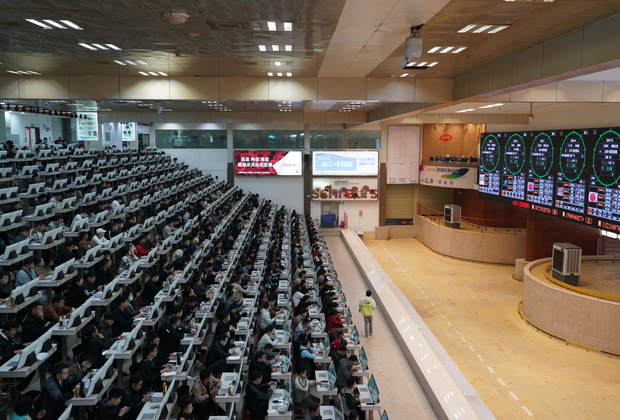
(345,163)
(573,174)
(268,162)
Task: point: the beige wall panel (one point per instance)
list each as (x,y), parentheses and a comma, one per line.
(287,117)
(245,117)
(357,117)
(563,54)
(95,87)
(222,117)
(434,90)
(392,89)
(268,117)
(342,89)
(336,117)
(44,87)
(527,66)
(195,88)
(499,98)
(601,42)
(198,117)
(611,92)
(479,81)
(314,117)
(500,74)
(545,93)
(145,88)
(461,87)
(107,116)
(468,118)
(580,91)
(289,89)
(494,119)
(177,117)
(516,118)
(422,118)
(243,88)
(450,118)
(9,87)
(149,116)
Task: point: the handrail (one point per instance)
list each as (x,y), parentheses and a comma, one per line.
(431,213)
(579,289)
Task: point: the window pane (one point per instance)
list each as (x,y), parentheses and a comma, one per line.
(345,139)
(268,139)
(191,139)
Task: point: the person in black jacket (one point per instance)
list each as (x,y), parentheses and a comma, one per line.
(258,364)
(162,357)
(77,295)
(123,322)
(5,292)
(151,373)
(94,345)
(171,336)
(257,395)
(8,346)
(105,327)
(134,398)
(109,409)
(57,390)
(151,288)
(33,326)
(66,253)
(105,274)
(219,351)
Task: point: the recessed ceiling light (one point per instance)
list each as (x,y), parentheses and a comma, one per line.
(404,75)
(266,63)
(87,46)
(101,47)
(497,29)
(411,64)
(288,26)
(130,62)
(434,63)
(153,73)
(445,50)
(120,63)
(279,74)
(162,73)
(271,26)
(56,24)
(256,26)
(467,28)
(466,110)
(143,73)
(288,47)
(422,64)
(41,24)
(278,63)
(289,74)
(491,106)
(112,47)
(458,50)
(482,29)
(262,48)
(144,63)
(275,47)
(432,50)
(269,74)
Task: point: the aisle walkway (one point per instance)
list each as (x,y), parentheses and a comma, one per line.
(400,393)
(472,310)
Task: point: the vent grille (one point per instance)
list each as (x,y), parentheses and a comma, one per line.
(228,26)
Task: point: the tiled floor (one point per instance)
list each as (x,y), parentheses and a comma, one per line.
(518,372)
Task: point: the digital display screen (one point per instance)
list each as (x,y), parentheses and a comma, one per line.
(341,163)
(572,174)
(268,162)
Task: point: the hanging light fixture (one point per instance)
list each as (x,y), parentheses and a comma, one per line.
(530,118)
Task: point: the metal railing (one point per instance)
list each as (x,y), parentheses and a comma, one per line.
(476,223)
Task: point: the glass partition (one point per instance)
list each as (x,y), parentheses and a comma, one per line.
(191,139)
(345,139)
(268,139)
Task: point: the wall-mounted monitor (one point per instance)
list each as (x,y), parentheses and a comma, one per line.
(269,162)
(345,162)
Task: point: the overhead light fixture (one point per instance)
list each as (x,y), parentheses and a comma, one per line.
(41,24)
(467,28)
(269,74)
(434,63)
(279,74)
(465,110)
(497,29)
(161,73)
(288,26)
(434,49)
(144,63)
(56,24)
(482,29)
(490,106)
(176,17)
(278,63)
(289,74)
(262,48)
(143,73)
(120,63)
(413,63)
(275,47)
(256,26)
(288,48)
(101,47)
(458,50)
(404,75)
(87,46)
(112,47)
(530,118)
(422,64)
(271,26)
(445,50)
(130,62)
(152,73)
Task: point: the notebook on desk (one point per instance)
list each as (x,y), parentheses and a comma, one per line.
(322,376)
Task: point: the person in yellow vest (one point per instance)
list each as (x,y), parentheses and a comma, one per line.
(367,308)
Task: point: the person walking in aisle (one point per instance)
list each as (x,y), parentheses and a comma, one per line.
(367,308)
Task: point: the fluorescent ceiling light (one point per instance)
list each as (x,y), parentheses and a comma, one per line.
(288,26)
(279,74)
(120,63)
(271,26)
(153,73)
(433,64)
(432,50)
(87,46)
(71,24)
(289,74)
(130,62)
(144,63)
(404,75)
(411,64)
(467,28)
(288,47)
(445,50)
(491,106)
(11,71)
(113,47)
(466,110)
(262,48)
(41,24)
(482,29)
(497,29)
(275,47)
(56,24)
(458,50)
(101,47)
(269,74)
(143,73)
(422,64)
(162,73)
(278,63)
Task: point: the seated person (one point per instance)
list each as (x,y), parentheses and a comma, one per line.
(109,409)
(218,353)
(9,347)
(66,253)
(24,409)
(203,395)
(27,273)
(94,345)
(151,373)
(151,288)
(22,234)
(122,321)
(99,238)
(105,274)
(105,328)
(269,337)
(77,295)
(301,389)
(5,292)
(81,367)
(171,335)
(186,408)
(84,243)
(223,325)
(33,325)
(257,395)
(57,390)
(133,397)
(56,309)
(258,364)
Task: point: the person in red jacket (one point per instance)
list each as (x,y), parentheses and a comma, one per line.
(141,250)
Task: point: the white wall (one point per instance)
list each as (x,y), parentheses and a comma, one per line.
(366,222)
(18,123)
(284,190)
(212,161)
(116,138)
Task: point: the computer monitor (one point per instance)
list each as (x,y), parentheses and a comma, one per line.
(52,167)
(121,188)
(36,188)
(101,162)
(22,246)
(62,152)
(67,203)
(96,178)
(6,172)
(88,197)
(146,198)
(100,217)
(91,254)
(373,389)
(363,359)
(8,193)
(132,231)
(87,164)
(106,192)
(114,161)
(384,416)
(22,154)
(75,319)
(133,185)
(44,153)
(80,180)
(29,169)
(80,225)
(123,172)
(133,204)
(44,343)
(7,219)
(70,166)
(99,376)
(59,184)
(43,209)
(133,269)
(115,240)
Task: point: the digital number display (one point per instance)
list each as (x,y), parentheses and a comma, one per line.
(573,174)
